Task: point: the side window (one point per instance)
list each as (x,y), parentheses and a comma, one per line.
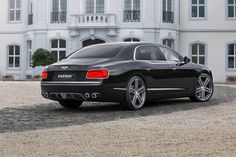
(169,55)
(146,53)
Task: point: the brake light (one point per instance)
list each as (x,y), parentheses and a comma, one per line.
(44,75)
(97,74)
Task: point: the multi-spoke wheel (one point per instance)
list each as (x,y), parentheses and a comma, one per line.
(204,89)
(135,93)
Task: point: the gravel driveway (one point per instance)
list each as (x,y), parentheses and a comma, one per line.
(33,126)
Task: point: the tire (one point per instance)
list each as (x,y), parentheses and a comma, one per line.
(135,94)
(70,104)
(204,89)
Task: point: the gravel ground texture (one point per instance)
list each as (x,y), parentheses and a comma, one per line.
(32,126)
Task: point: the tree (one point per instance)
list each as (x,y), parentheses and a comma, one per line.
(42,57)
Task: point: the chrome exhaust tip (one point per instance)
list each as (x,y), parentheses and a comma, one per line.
(94,95)
(44,94)
(87,95)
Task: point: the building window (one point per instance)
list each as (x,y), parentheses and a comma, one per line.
(131,40)
(231,8)
(132,11)
(167,11)
(58,49)
(29,52)
(59,11)
(198,53)
(95,6)
(168,43)
(14,10)
(198,8)
(30,13)
(13,56)
(232,56)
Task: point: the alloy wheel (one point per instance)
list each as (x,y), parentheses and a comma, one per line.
(137,92)
(204,88)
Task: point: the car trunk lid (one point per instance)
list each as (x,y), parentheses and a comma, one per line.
(72,69)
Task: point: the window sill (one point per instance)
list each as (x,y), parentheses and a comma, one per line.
(14,22)
(231,70)
(58,22)
(13,68)
(231,18)
(131,21)
(197,18)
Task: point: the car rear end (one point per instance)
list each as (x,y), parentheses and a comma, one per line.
(80,79)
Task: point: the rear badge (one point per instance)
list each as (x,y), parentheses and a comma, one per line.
(64,76)
(64,67)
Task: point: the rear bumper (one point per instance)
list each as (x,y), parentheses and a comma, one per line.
(82,91)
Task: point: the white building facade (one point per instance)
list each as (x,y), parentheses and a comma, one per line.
(204,30)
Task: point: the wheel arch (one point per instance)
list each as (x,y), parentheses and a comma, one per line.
(139,74)
(206,71)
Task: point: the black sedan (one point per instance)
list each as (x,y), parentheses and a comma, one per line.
(129,73)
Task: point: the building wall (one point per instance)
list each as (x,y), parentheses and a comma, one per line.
(216,31)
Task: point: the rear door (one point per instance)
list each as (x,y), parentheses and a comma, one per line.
(157,71)
(182,75)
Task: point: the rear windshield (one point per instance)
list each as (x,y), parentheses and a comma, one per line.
(98,51)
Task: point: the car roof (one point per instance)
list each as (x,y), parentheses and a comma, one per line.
(126,44)
(126,52)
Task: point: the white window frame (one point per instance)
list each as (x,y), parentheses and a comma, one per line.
(234,56)
(29,53)
(59,6)
(58,49)
(132,9)
(30,12)
(132,39)
(14,57)
(166,44)
(198,55)
(95,8)
(227,10)
(59,12)
(15,10)
(30,8)
(197,5)
(166,8)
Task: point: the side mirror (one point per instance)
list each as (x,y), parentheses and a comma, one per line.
(186,60)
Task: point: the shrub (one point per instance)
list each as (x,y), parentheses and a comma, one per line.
(36,78)
(42,57)
(8,78)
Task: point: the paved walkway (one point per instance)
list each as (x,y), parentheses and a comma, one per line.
(225,85)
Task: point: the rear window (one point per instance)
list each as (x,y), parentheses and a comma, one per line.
(98,51)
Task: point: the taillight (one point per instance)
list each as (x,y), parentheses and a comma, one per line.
(44,74)
(97,74)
